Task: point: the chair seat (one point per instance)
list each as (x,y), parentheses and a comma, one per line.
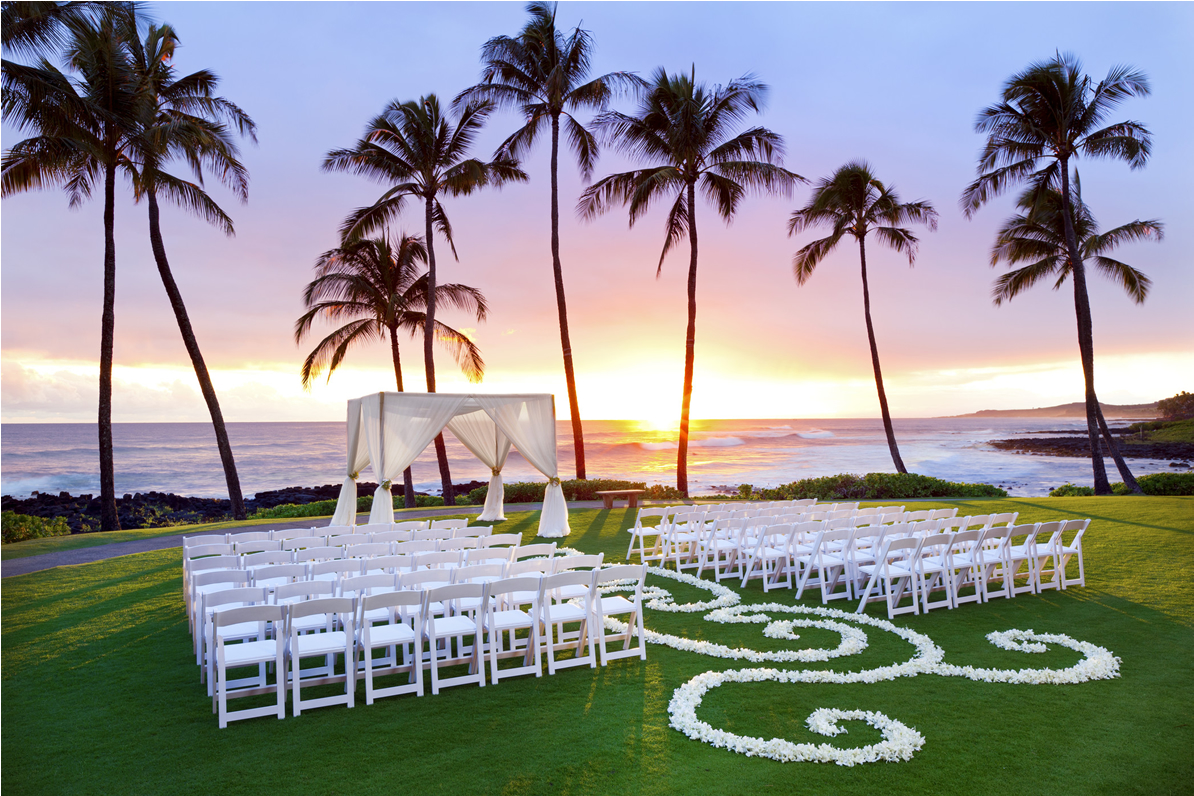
(377,615)
(570,592)
(387,635)
(565,612)
(308,623)
(239,630)
(320,643)
(616,604)
(249,652)
(455,626)
(508,620)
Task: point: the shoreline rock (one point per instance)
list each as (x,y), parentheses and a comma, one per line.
(1079,447)
(164,509)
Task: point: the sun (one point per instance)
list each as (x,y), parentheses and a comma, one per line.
(658,423)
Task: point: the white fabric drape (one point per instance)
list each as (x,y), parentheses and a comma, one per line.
(478,432)
(358,457)
(396,431)
(530,423)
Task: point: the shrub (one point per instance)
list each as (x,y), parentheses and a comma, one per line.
(318,508)
(1179,407)
(19,527)
(662,492)
(1071,490)
(1168,484)
(533,491)
(878,486)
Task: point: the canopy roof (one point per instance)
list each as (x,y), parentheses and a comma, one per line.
(390,429)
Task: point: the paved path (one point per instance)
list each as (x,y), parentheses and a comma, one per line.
(86,555)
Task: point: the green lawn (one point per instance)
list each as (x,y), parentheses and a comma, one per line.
(101,695)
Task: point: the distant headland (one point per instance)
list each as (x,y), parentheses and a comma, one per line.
(1075,410)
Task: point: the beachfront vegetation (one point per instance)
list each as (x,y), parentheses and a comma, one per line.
(1179,407)
(420,151)
(1161,431)
(1048,116)
(374,284)
(877,486)
(181,118)
(532,491)
(542,74)
(1160,484)
(97,659)
(20,527)
(683,130)
(854,202)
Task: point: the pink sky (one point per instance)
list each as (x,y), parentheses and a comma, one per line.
(896,84)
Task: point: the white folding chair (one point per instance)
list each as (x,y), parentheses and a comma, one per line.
(415,547)
(332,571)
(316,554)
(541,550)
(204,539)
(304,542)
(330,632)
(459,543)
(680,538)
(829,558)
(410,525)
(453,524)
(268,558)
(571,564)
(504,619)
(892,575)
(933,570)
(501,539)
(272,577)
(260,651)
(385,537)
(283,534)
(640,533)
(1068,551)
(456,625)
(473,531)
(244,537)
(207,582)
(370,550)
(374,527)
(631,611)
(555,617)
(431,535)
(965,566)
(228,598)
(401,608)
(393,564)
(993,563)
(771,556)
(1021,557)
(1047,546)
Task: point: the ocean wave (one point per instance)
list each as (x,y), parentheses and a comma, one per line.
(815,433)
(711,442)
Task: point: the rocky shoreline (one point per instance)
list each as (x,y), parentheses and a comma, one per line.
(1179,454)
(163,509)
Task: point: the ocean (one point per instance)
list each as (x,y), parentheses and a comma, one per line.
(182,457)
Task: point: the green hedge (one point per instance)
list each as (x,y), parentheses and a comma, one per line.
(1161,484)
(19,527)
(878,486)
(323,508)
(532,491)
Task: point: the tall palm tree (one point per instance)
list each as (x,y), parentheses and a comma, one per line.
(1037,236)
(542,73)
(684,129)
(854,202)
(83,124)
(376,287)
(181,118)
(42,26)
(1050,114)
(420,151)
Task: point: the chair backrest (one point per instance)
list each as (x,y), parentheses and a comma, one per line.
(840,523)
(943,514)
(578,577)
(533,585)
(337,530)
(964,541)
(501,539)
(451,595)
(916,516)
(459,543)
(996,537)
(898,531)
(340,606)
(1007,518)
(211,576)
(416,580)
(1075,525)
(241,596)
(388,564)
(204,550)
(372,550)
(413,547)
(291,593)
(544,566)
(256,546)
(591,561)
(248,536)
(454,523)
(382,537)
(622,572)
(249,613)
(268,558)
(446,559)
(374,527)
(840,514)
(204,539)
(304,542)
(318,554)
(925,526)
(282,534)
(393,599)
(285,573)
(431,534)
(646,512)
(936,544)
(901,547)
(892,517)
(473,531)
(547,549)
(410,525)
(478,573)
(368,584)
(1023,534)
(196,565)
(341,567)
(489,555)
(348,539)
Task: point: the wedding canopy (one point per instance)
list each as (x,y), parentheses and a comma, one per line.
(390,429)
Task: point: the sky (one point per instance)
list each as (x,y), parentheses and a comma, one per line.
(898,84)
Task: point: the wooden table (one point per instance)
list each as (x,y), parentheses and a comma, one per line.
(631,495)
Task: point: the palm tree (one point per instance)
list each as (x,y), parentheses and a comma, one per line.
(83,125)
(33,28)
(1052,112)
(542,73)
(854,202)
(376,287)
(181,118)
(418,150)
(684,129)
(1037,236)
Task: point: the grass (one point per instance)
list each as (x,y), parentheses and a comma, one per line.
(101,695)
(1162,431)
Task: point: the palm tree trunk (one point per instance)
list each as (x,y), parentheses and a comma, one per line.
(578,439)
(192,346)
(408,481)
(441,452)
(1129,480)
(689,347)
(1085,336)
(870,333)
(109,519)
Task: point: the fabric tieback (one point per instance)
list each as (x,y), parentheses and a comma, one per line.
(554,480)
(354,476)
(386,485)
(495,470)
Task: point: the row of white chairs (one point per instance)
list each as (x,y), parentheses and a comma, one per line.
(385,531)
(414,629)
